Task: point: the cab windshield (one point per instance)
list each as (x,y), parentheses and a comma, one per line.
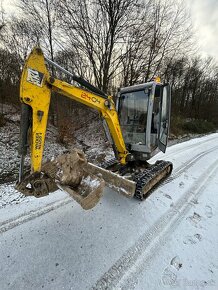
(133,115)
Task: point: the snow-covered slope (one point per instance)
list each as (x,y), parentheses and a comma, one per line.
(169,240)
(89,137)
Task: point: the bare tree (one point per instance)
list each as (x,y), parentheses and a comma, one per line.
(19,36)
(163,33)
(94,30)
(42,15)
(110,43)
(2,18)
(9,78)
(194,88)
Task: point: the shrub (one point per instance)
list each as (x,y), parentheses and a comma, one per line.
(182,126)
(2,120)
(176,125)
(198,126)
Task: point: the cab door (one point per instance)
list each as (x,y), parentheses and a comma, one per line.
(164,122)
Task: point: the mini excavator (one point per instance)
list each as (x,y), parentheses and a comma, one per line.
(136,126)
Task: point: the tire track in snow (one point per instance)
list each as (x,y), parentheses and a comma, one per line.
(125,272)
(189,163)
(191,146)
(25,217)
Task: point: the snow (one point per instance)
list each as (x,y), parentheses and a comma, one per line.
(189,256)
(91,182)
(168,241)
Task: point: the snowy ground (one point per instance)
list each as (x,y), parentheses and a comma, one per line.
(169,241)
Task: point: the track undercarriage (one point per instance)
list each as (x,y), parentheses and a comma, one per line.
(144,175)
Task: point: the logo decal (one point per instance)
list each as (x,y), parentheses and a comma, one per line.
(38,144)
(89,98)
(34,77)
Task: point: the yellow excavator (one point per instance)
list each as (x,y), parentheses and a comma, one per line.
(136,126)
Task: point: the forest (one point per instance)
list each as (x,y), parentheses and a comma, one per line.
(112,43)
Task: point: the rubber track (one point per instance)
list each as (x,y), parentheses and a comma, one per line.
(142,179)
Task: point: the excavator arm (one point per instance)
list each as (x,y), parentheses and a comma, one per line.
(35,96)
(35,91)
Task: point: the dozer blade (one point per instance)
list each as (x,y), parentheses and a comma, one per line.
(113,180)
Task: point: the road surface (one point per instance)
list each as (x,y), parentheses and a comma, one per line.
(168,241)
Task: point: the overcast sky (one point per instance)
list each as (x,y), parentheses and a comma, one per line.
(204,15)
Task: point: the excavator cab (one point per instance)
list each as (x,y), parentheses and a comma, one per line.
(144,114)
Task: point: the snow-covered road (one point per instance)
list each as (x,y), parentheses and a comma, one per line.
(168,241)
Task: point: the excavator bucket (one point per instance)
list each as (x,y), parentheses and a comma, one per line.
(69,173)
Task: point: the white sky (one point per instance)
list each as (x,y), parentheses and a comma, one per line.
(204,15)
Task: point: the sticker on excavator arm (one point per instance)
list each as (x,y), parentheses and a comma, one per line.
(34,77)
